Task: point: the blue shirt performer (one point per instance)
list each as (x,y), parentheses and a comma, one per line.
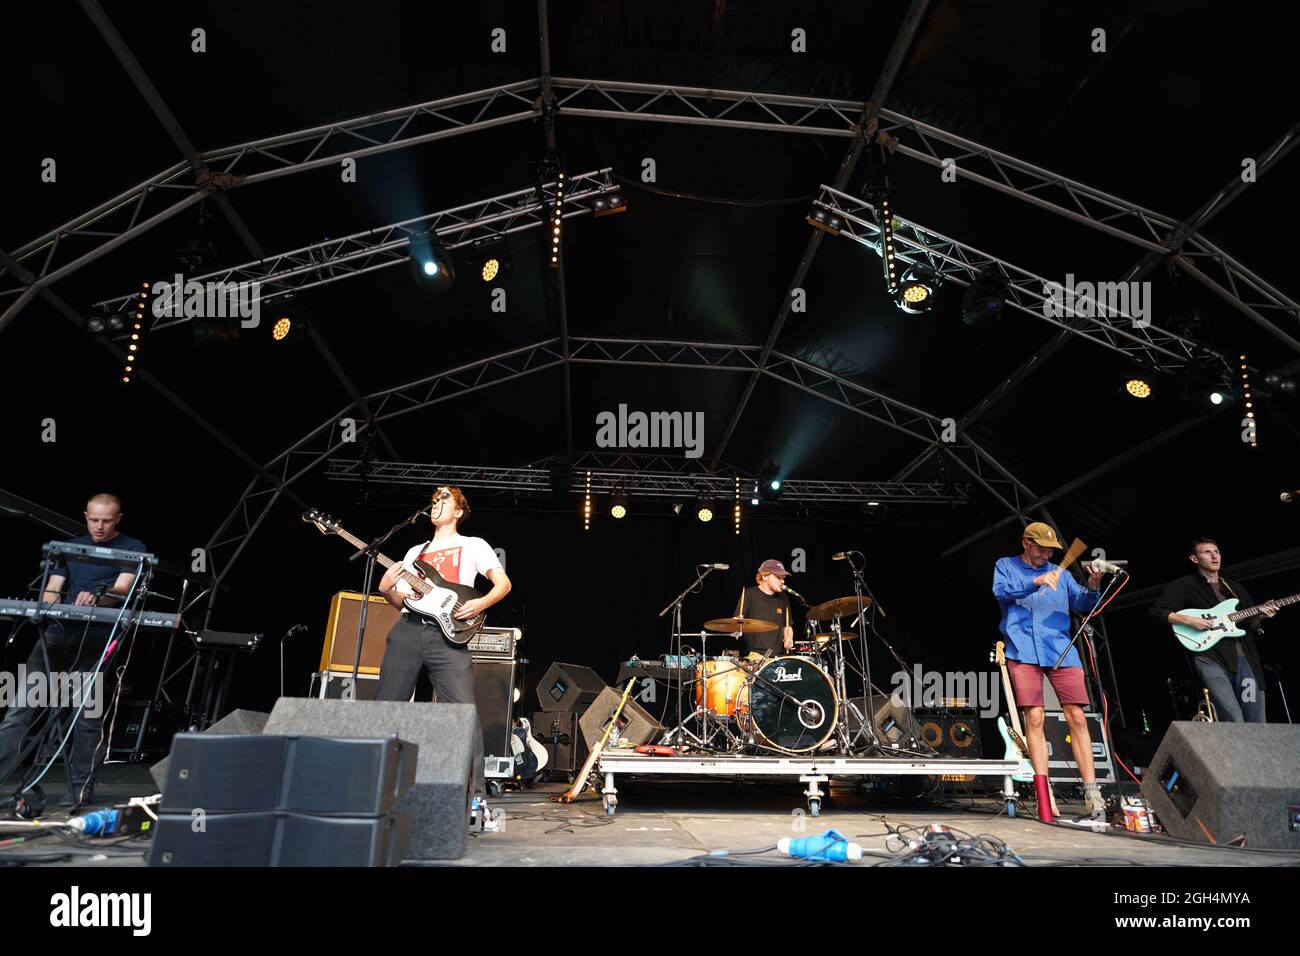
(1036,598)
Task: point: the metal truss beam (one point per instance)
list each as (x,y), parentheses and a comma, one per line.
(642,483)
(322,263)
(168,119)
(955,261)
(826,385)
(117,221)
(870,112)
(230,539)
(135,210)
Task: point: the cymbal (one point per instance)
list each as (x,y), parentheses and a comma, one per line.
(827,638)
(840,607)
(739,625)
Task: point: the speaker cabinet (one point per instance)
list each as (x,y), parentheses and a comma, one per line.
(1214,782)
(235,722)
(634,723)
(340,645)
(569,687)
(494,694)
(438,802)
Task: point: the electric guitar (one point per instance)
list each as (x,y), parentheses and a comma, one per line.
(1013,737)
(435,597)
(1224,617)
(530,756)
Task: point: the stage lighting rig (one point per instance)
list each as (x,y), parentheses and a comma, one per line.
(608,204)
(769,481)
(704,509)
(1135,386)
(984,300)
(431,264)
(915,292)
(492,260)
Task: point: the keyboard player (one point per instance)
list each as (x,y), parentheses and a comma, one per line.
(71,647)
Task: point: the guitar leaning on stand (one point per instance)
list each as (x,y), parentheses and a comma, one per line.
(436,598)
(1013,737)
(1224,617)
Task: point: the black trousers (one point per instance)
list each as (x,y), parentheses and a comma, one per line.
(68,653)
(412,646)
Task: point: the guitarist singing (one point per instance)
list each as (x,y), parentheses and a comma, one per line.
(415,643)
(1230,670)
(1036,598)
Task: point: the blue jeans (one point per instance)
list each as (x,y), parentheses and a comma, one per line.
(1237,697)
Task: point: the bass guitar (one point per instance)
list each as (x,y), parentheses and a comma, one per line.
(435,599)
(1012,737)
(1223,620)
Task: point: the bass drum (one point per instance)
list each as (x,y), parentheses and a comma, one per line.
(790,705)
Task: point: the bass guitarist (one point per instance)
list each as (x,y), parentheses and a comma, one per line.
(414,642)
(1230,670)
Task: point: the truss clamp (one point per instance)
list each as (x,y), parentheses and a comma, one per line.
(210,182)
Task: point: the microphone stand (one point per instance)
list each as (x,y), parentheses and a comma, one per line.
(675,605)
(860,585)
(370,551)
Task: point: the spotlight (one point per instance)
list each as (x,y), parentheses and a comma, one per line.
(984,300)
(769,481)
(824,220)
(431,264)
(1280,382)
(492,259)
(1220,395)
(560,478)
(608,205)
(1137,388)
(704,510)
(115,323)
(677,507)
(283,326)
(915,293)
(618,502)
(95,325)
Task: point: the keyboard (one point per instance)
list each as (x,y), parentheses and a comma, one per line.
(13,609)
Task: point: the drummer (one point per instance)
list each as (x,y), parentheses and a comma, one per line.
(766,602)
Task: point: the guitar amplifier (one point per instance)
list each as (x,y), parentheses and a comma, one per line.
(340,645)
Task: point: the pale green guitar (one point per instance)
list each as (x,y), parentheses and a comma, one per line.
(1224,618)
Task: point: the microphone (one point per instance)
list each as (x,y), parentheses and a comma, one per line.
(296,629)
(1289,496)
(786,587)
(1105,567)
(717,567)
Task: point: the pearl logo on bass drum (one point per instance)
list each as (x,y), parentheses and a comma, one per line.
(781,676)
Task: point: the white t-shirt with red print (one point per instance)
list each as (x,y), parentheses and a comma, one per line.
(459,559)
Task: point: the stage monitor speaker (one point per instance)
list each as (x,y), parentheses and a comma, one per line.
(438,802)
(1215,782)
(241,773)
(569,687)
(340,647)
(893,722)
(235,722)
(494,693)
(634,723)
(279,838)
(558,732)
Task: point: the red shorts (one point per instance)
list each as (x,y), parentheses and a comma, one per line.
(1027,681)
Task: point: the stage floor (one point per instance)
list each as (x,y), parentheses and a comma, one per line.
(661,822)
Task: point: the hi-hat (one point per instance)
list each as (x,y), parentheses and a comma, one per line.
(839,607)
(739,625)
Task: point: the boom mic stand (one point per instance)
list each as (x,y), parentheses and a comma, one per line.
(370,551)
(675,605)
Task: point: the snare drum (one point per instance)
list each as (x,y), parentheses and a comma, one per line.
(719,685)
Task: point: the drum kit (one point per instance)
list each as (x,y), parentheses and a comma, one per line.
(796,703)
